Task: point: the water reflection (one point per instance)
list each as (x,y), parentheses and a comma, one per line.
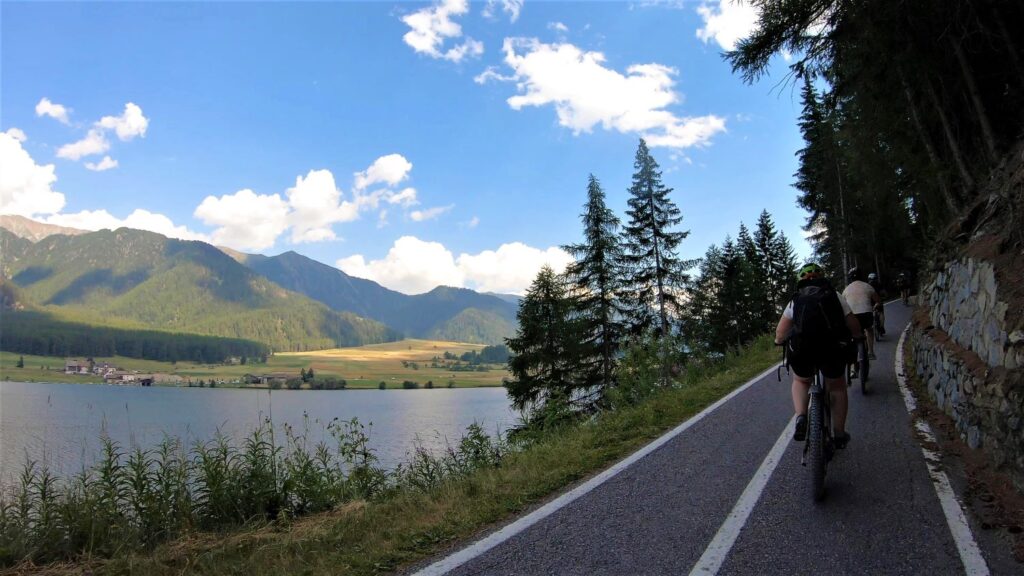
(61,423)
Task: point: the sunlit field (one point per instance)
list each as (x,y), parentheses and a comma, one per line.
(362,367)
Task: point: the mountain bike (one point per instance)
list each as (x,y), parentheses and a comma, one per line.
(859,369)
(879,325)
(819,444)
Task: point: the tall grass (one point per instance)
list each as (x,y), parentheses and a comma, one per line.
(137,499)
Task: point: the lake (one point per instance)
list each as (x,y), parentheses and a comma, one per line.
(62,423)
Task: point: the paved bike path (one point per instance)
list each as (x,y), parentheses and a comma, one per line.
(881,514)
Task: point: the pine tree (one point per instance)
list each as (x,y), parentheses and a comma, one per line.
(654,272)
(544,346)
(595,279)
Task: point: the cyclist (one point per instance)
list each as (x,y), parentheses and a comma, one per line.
(816,328)
(862,299)
(904,287)
(879,310)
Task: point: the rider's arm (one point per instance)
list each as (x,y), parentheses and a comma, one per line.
(783,329)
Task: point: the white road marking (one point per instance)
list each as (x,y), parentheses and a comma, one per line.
(481,546)
(970,554)
(716,552)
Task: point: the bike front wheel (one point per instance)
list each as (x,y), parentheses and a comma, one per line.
(816,446)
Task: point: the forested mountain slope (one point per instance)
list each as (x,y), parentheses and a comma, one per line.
(443,313)
(144,280)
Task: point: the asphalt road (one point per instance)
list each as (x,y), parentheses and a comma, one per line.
(881,514)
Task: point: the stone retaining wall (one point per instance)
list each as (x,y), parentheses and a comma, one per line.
(972,365)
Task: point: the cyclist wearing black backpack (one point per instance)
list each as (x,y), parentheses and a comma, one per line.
(817,327)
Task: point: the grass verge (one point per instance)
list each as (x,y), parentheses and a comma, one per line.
(410,525)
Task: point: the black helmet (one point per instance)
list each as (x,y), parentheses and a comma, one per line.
(853,274)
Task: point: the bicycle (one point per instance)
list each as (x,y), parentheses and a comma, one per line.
(859,369)
(819,444)
(879,325)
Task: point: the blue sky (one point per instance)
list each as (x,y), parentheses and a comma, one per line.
(413,143)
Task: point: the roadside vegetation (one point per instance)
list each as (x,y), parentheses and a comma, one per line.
(281,505)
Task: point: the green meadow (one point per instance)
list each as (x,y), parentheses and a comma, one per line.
(363,366)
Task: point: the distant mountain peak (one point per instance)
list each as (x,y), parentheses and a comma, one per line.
(33,230)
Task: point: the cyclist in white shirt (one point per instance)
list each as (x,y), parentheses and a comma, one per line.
(862,299)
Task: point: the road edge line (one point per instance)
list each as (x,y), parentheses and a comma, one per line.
(970,554)
(507,532)
(714,555)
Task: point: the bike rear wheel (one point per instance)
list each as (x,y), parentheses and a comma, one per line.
(816,446)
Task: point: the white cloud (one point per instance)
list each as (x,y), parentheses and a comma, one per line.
(95,142)
(129,124)
(245,220)
(510,7)
(316,204)
(414,266)
(390,170)
(429,213)
(586,94)
(405,198)
(106,164)
(57,111)
(558,27)
(473,222)
(511,268)
(16,133)
(491,73)
(728,22)
(139,219)
(26,188)
(432,26)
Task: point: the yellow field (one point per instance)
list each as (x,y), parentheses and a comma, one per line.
(362,367)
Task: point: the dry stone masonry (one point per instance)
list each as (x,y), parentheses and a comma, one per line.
(972,362)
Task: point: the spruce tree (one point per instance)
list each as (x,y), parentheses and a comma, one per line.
(544,346)
(595,279)
(653,270)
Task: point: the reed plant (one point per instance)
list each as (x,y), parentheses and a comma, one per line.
(133,500)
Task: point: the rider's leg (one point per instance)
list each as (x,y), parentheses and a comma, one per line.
(801,387)
(870,335)
(837,389)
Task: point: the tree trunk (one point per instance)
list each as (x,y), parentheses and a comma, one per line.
(954,147)
(1011,48)
(975,95)
(933,157)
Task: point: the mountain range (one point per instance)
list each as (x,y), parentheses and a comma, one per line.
(142,280)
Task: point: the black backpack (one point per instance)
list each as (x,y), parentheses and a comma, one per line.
(819,325)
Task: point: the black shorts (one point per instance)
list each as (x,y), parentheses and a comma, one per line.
(832,364)
(867,320)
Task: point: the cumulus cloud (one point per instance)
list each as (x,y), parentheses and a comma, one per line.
(16,133)
(511,268)
(316,204)
(26,188)
(129,124)
(244,220)
(405,198)
(510,7)
(414,266)
(390,169)
(726,22)
(139,219)
(56,111)
(95,142)
(558,27)
(429,213)
(106,164)
(585,93)
(432,26)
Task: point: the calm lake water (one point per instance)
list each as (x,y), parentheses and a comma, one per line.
(61,423)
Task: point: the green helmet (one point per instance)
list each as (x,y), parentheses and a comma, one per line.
(810,271)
